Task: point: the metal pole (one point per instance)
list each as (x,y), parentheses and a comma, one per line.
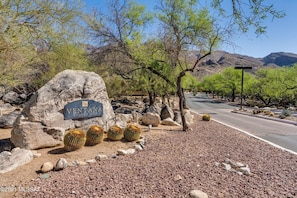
(242,73)
(242,76)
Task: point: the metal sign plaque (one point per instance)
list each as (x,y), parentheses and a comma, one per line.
(83,109)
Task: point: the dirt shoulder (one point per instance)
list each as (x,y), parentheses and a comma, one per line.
(15,179)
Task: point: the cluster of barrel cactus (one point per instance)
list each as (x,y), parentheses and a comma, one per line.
(206,117)
(76,138)
(132,133)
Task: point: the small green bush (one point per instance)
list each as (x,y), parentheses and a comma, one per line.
(285,113)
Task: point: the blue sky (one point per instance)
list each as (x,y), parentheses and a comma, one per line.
(281,35)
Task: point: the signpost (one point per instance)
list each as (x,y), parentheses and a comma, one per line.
(242,73)
(83,109)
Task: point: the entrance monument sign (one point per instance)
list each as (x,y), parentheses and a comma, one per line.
(83,109)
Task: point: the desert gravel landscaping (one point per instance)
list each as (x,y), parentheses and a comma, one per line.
(174,162)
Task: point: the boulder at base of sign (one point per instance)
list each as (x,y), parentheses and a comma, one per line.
(42,124)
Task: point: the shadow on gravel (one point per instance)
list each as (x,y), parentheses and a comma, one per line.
(208,101)
(6,145)
(57,151)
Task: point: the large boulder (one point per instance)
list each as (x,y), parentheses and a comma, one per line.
(151,119)
(14,98)
(166,112)
(14,159)
(42,122)
(6,121)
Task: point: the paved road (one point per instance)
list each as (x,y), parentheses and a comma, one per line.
(282,134)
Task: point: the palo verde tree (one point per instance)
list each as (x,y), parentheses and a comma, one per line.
(184,27)
(276,86)
(121,47)
(33,31)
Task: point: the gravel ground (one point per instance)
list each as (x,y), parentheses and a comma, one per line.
(174,163)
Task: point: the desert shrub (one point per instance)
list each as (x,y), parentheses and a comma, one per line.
(285,113)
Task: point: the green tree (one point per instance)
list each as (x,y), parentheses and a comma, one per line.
(121,47)
(183,27)
(30,30)
(276,86)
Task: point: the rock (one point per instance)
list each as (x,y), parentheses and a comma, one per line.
(61,164)
(6,121)
(152,109)
(198,194)
(11,160)
(141,142)
(131,151)
(13,98)
(177,117)
(169,122)
(166,112)
(126,152)
(113,156)
(35,154)
(45,176)
(124,119)
(79,163)
(100,157)
(188,116)
(177,178)
(227,167)
(151,119)
(46,167)
(4,156)
(6,108)
(245,170)
(122,152)
(137,147)
(42,122)
(91,161)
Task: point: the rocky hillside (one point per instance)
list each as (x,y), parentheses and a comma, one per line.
(280,59)
(218,60)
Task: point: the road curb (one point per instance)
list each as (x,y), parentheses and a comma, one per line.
(267,118)
(256,137)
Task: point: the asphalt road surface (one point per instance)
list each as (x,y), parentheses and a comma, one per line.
(282,134)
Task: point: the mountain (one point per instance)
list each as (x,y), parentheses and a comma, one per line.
(219,60)
(280,59)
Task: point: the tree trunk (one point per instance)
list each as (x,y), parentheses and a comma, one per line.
(233,95)
(182,101)
(151,98)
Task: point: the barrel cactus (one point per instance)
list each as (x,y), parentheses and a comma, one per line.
(206,117)
(115,133)
(74,139)
(94,135)
(132,133)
